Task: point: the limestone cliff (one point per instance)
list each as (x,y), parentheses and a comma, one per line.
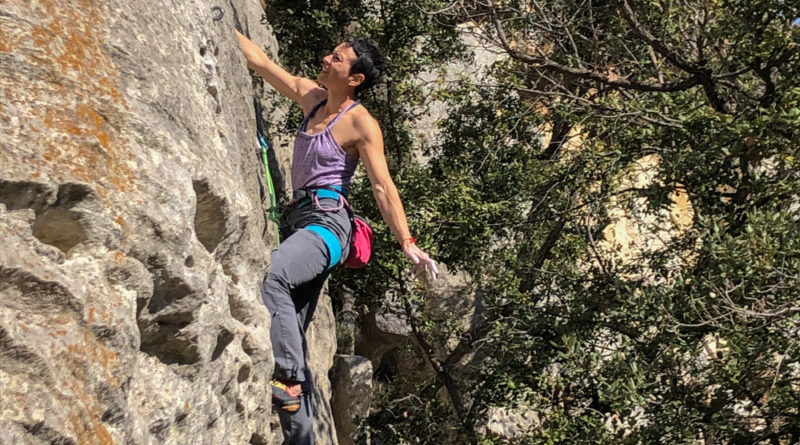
(132,234)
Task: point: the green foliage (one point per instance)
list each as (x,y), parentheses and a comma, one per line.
(603,348)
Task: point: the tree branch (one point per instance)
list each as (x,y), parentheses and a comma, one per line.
(545,63)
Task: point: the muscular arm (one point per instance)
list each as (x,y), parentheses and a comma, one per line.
(299,89)
(371,151)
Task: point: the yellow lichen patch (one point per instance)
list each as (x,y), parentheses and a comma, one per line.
(92,433)
(80,371)
(81,360)
(95,314)
(6,44)
(78,137)
(98,354)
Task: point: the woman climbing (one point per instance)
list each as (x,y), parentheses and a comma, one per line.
(336,133)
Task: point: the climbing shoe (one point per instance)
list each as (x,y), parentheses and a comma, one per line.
(282,398)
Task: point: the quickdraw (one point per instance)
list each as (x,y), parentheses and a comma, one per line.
(273,210)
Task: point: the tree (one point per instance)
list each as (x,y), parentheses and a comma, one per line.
(710,89)
(534,165)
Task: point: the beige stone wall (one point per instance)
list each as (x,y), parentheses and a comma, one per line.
(132,237)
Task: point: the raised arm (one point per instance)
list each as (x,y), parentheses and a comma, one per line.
(371,152)
(299,89)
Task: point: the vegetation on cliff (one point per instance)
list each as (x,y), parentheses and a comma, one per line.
(674,119)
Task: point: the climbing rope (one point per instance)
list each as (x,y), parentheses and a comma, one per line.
(273,211)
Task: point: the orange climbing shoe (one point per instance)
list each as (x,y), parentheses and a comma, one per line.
(282,398)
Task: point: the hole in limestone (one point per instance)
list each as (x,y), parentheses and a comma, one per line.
(209,218)
(229,271)
(181,417)
(32,292)
(248,346)
(164,335)
(213,91)
(17,195)
(202,50)
(60,224)
(19,359)
(228,387)
(159,428)
(112,416)
(170,343)
(178,318)
(112,403)
(189,261)
(239,311)
(244,373)
(166,291)
(163,324)
(258,439)
(224,338)
(60,228)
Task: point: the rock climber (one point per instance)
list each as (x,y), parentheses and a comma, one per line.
(337,131)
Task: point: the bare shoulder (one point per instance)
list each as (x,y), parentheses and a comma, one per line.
(364,123)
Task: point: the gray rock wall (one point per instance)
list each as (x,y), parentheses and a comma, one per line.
(132,237)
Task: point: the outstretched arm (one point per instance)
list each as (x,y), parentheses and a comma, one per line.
(371,152)
(299,89)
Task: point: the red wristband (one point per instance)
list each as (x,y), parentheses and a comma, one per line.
(407,242)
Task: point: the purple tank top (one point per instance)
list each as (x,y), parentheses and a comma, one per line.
(318,160)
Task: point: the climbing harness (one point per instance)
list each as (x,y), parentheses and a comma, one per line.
(361,236)
(217,13)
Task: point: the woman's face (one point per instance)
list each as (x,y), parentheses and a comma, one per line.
(336,66)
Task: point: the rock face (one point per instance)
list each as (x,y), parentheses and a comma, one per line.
(352,395)
(132,236)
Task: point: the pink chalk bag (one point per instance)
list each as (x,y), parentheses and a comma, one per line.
(360,242)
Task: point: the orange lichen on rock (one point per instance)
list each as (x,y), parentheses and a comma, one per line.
(6,43)
(81,361)
(78,140)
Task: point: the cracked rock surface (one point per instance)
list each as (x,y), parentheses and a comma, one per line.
(132,237)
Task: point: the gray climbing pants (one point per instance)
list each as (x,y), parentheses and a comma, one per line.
(315,241)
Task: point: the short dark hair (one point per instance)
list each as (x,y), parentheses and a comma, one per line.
(369,62)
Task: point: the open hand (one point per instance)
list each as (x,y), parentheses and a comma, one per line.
(422,262)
